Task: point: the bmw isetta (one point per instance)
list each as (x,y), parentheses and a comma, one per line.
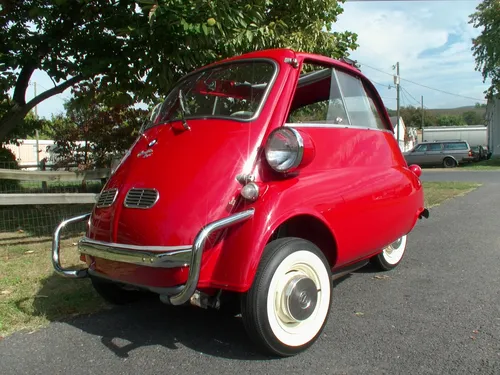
(257,181)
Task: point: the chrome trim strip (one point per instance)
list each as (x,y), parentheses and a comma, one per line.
(199,243)
(56,261)
(135,247)
(177,256)
(335,126)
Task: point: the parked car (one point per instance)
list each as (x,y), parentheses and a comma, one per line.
(448,154)
(257,180)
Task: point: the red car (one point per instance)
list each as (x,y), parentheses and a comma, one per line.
(256,181)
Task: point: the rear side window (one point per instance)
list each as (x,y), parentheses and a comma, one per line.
(360,107)
(435,147)
(456,146)
(318,99)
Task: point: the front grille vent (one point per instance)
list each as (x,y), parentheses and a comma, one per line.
(106,198)
(141,198)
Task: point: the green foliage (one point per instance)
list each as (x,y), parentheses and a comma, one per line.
(486,46)
(412,116)
(473,118)
(8,161)
(450,120)
(132,51)
(91,135)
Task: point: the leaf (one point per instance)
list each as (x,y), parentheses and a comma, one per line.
(249,35)
(359,313)
(29,252)
(152,12)
(5,292)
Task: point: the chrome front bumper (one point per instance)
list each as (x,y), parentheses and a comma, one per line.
(150,256)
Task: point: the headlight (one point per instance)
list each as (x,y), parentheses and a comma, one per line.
(284,149)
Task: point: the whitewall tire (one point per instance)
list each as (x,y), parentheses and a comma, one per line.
(288,305)
(391,255)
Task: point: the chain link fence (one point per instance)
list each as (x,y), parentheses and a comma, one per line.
(40,220)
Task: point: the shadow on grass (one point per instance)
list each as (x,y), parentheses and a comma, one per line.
(148,322)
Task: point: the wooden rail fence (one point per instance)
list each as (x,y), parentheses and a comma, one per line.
(13,199)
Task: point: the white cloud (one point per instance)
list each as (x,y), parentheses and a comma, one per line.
(398,31)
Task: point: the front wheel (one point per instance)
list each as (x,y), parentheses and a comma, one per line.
(392,255)
(288,305)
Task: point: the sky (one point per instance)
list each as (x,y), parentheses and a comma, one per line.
(430,39)
(432,42)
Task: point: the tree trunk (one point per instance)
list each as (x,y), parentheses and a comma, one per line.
(17,112)
(9,121)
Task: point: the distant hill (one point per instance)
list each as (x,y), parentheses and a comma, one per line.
(457,111)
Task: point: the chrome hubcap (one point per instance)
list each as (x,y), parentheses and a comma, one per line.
(395,245)
(301,297)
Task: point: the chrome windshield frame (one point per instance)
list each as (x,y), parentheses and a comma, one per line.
(262,103)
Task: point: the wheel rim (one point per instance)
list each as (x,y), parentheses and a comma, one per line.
(394,252)
(449,162)
(299,298)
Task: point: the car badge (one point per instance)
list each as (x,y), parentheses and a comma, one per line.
(145,153)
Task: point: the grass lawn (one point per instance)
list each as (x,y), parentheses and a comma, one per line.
(485,165)
(437,192)
(31,295)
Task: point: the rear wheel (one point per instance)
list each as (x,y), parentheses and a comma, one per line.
(392,255)
(288,305)
(115,293)
(449,163)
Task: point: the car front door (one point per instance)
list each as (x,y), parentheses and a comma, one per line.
(417,156)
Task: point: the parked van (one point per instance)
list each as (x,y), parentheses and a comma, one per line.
(448,154)
(257,180)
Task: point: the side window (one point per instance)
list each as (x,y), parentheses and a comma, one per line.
(421,148)
(317,98)
(455,146)
(435,147)
(360,107)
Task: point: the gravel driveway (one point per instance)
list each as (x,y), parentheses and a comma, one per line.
(438,313)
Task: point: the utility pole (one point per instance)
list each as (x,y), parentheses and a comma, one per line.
(36,134)
(423,123)
(397,82)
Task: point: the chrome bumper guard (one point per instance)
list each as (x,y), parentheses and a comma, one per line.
(151,256)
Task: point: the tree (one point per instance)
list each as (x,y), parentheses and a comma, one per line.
(450,120)
(473,118)
(134,50)
(91,135)
(486,47)
(412,116)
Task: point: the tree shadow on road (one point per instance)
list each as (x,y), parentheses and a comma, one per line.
(148,322)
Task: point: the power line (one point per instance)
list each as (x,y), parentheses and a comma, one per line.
(408,93)
(425,86)
(442,91)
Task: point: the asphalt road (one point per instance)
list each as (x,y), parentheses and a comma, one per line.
(460,175)
(437,313)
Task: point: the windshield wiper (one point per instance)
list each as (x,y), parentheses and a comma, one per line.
(183,111)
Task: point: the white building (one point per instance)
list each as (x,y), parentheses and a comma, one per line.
(407,135)
(493,123)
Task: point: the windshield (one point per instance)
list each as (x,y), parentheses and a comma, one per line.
(234,90)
